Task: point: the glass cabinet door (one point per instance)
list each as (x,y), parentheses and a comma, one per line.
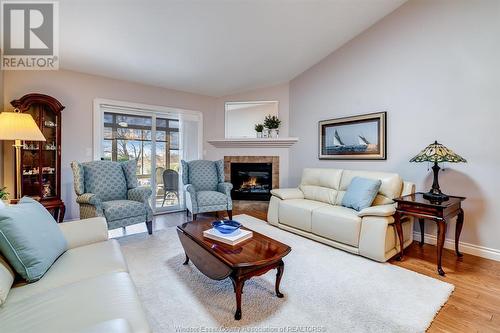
(39,159)
(49,152)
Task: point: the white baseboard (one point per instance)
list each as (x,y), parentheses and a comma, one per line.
(476,250)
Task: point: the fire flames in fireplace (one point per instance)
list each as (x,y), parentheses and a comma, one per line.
(251,181)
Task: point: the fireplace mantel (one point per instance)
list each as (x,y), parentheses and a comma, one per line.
(254,142)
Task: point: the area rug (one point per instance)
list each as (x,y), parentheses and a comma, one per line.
(326,290)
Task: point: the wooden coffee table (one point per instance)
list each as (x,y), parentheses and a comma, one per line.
(241,262)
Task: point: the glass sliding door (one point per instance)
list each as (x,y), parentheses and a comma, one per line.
(154,142)
(167,193)
(157,137)
(127,137)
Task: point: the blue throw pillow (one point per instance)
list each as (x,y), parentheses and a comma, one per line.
(360,193)
(30,239)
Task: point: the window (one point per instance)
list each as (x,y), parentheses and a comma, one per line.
(128,137)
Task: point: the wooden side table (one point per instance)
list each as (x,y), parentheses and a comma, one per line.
(55,206)
(439,212)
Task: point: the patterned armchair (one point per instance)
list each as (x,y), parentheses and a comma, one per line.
(110,189)
(205,188)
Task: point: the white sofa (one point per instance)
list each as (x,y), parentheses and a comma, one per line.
(88,289)
(314,210)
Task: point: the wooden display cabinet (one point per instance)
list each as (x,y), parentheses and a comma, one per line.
(41,161)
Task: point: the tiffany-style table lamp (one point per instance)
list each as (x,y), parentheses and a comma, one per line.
(437,153)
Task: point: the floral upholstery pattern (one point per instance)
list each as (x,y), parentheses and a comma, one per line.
(220,170)
(105,179)
(210,198)
(205,188)
(120,209)
(130,171)
(203,175)
(77,169)
(109,189)
(142,195)
(185,172)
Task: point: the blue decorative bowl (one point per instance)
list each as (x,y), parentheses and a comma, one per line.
(226,226)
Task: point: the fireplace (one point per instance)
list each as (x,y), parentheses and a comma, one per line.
(252,177)
(251,181)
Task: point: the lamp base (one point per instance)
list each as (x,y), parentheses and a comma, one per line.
(431,196)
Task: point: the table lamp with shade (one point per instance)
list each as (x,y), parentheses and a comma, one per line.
(437,153)
(19,127)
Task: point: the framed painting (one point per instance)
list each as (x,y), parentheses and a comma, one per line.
(362,137)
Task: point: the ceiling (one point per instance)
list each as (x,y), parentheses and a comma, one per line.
(209,47)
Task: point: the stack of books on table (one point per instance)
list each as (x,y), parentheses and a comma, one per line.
(234,238)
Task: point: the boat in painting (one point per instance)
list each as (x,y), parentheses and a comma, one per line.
(337,146)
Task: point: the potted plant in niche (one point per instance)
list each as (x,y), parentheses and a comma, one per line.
(272,123)
(259,128)
(4,195)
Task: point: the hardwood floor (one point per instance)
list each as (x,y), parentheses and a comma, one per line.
(474,306)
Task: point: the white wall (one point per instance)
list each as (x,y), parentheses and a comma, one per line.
(77,91)
(215,127)
(434,67)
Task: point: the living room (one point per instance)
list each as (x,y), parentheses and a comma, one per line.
(304,122)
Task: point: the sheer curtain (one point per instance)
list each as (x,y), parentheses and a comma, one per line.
(190,143)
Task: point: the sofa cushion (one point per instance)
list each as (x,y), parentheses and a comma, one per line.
(120,209)
(210,198)
(6,279)
(329,178)
(75,265)
(119,325)
(297,213)
(337,223)
(30,238)
(76,307)
(287,193)
(361,193)
(319,193)
(390,188)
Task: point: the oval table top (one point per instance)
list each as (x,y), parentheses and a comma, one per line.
(256,251)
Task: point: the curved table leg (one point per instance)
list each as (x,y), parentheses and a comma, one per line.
(186,261)
(399,230)
(238,289)
(279,274)
(440,243)
(421,222)
(458,230)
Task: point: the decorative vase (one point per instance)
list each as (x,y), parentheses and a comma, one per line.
(259,135)
(265,133)
(6,202)
(46,191)
(274,133)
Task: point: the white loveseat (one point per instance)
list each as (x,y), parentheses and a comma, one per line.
(314,210)
(88,289)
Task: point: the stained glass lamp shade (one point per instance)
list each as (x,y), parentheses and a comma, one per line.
(437,153)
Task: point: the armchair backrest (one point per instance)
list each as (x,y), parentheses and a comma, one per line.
(202,174)
(107,179)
